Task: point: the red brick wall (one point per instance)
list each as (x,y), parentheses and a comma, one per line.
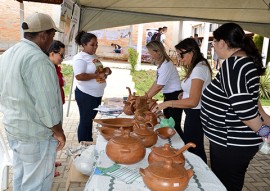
(10,19)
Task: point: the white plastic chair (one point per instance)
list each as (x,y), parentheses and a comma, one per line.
(5,163)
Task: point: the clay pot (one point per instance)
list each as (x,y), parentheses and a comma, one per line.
(151,118)
(129,107)
(129,104)
(166,176)
(145,133)
(125,149)
(165,132)
(126,123)
(167,152)
(108,132)
(152,103)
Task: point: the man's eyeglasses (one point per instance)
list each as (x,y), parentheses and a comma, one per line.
(181,54)
(61,55)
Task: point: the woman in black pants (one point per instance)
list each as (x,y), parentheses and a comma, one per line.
(167,81)
(90,82)
(197,77)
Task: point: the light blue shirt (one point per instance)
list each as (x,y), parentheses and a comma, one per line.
(30,97)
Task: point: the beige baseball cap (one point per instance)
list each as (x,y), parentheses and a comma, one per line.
(38,22)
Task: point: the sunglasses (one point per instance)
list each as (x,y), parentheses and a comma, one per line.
(61,55)
(181,54)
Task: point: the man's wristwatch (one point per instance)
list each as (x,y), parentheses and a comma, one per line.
(264,131)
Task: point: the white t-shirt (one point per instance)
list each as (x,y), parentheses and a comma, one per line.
(83,63)
(167,75)
(201,71)
(162,38)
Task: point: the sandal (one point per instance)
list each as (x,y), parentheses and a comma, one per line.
(56,173)
(56,164)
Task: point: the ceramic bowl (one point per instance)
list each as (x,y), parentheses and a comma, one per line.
(108,132)
(165,132)
(116,122)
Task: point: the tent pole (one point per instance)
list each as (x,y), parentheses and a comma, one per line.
(70,94)
(139,46)
(265,50)
(21,18)
(204,47)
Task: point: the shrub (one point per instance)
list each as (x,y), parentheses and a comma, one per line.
(265,85)
(133,57)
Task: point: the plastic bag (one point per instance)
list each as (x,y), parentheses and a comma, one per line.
(167,123)
(85,162)
(265,147)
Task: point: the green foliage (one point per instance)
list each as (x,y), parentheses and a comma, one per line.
(67,74)
(133,57)
(143,80)
(258,40)
(265,85)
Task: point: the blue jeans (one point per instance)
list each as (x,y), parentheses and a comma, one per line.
(33,164)
(86,104)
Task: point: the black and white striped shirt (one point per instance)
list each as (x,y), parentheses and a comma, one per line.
(230,98)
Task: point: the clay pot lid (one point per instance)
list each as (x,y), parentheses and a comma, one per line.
(165,151)
(125,138)
(167,169)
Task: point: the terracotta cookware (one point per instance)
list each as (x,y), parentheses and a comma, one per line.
(167,152)
(125,149)
(165,132)
(145,133)
(126,123)
(108,132)
(166,176)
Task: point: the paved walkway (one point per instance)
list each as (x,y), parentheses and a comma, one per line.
(258,175)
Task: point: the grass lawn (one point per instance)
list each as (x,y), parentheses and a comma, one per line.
(143,80)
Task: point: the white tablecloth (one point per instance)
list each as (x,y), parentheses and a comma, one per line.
(114,177)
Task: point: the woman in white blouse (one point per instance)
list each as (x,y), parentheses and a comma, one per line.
(197,77)
(167,81)
(90,82)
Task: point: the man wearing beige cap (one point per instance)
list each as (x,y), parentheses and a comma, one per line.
(31,102)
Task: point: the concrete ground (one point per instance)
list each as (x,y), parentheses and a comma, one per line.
(257,177)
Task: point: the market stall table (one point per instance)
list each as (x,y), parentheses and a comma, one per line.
(107,175)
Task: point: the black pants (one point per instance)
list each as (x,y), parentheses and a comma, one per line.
(193,132)
(230,164)
(86,104)
(175,113)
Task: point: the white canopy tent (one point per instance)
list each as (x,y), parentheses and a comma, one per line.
(252,15)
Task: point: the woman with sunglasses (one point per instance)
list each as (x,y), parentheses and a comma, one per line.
(197,77)
(167,81)
(230,110)
(57,55)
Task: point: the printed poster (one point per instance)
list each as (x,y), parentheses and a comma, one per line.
(65,19)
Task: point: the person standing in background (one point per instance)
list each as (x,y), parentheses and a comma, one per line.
(90,81)
(163,39)
(230,106)
(30,100)
(167,81)
(117,48)
(197,77)
(199,42)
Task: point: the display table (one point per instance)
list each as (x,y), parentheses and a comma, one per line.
(110,176)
